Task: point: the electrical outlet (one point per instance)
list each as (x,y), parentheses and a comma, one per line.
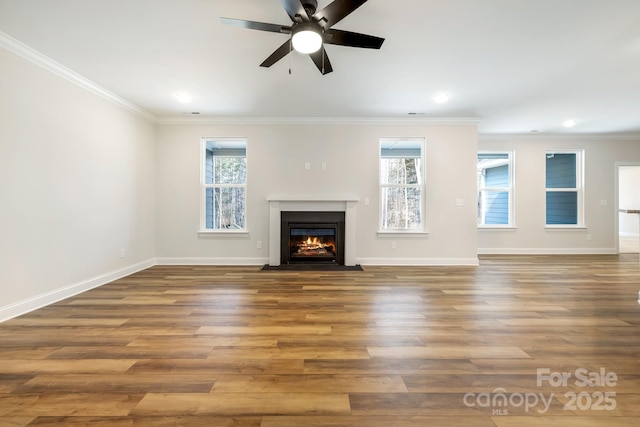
(459,202)
(394,245)
(307,165)
(324,166)
(258,244)
(123,253)
(366,201)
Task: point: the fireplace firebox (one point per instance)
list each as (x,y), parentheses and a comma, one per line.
(312,237)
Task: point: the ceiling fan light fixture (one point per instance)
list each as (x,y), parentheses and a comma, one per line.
(306,38)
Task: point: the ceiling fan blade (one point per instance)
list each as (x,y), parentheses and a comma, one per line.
(253,25)
(280,53)
(295,9)
(336,11)
(321,60)
(348,38)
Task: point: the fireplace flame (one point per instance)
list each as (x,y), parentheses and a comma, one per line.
(314,246)
(313,243)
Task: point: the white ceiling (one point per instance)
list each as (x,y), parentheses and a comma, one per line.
(520,65)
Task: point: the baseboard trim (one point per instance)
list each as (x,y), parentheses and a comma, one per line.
(425,262)
(25,306)
(547,251)
(212,261)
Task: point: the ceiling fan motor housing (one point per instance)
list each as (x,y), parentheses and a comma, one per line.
(310,6)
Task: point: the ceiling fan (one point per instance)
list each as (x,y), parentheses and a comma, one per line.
(311,30)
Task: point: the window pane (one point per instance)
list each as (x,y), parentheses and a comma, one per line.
(493,207)
(561,170)
(400,171)
(401,208)
(562,207)
(401,148)
(209,199)
(492,156)
(225,208)
(225,170)
(493,170)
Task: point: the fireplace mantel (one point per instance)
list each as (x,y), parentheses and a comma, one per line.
(278,204)
(310,199)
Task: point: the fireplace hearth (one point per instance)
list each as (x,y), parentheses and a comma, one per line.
(309,237)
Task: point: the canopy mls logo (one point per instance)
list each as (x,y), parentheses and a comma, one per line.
(500,401)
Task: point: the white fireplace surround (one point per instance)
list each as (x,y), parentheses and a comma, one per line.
(307,204)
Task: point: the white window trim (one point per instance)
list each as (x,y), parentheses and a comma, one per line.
(400,232)
(203,230)
(511,190)
(212,232)
(580,161)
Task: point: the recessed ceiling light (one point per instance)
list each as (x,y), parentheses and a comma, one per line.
(441,97)
(570,123)
(183,97)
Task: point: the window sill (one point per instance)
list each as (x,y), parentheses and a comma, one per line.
(402,233)
(214,233)
(497,227)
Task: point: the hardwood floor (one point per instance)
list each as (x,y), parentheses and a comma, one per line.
(389,346)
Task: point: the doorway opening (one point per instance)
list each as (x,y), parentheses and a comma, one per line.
(628,177)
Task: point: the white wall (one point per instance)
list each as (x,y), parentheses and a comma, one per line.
(276,155)
(530,235)
(77,184)
(629,198)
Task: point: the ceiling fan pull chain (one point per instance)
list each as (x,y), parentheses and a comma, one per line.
(290,49)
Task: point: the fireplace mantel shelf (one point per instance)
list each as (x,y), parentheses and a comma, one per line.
(312,199)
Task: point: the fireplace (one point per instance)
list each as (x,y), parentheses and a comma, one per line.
(312,237)
(343,204)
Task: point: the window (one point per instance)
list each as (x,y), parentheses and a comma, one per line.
(224,184)
(495,189)
(564,188)
(402,184)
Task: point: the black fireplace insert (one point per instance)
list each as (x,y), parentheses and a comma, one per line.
(312,237)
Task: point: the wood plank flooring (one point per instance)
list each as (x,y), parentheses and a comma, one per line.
(479,346)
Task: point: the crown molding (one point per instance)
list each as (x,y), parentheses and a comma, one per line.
(211,120)
(560,137)
(37,58)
